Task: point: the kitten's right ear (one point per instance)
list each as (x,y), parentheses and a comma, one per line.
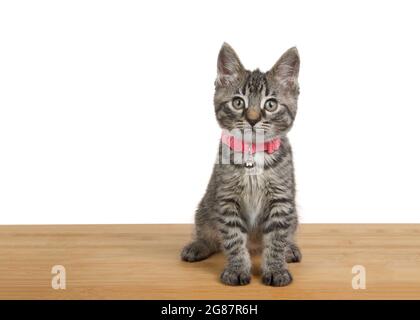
(229,67)
(286,70)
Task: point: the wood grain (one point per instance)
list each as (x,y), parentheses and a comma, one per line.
(142,262)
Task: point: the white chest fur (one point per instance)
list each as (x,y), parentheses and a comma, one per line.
(253,195)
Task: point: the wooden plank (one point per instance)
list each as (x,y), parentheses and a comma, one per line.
(142,262)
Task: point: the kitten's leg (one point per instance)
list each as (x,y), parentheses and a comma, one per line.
(293,253)
(233,234)
(280,219)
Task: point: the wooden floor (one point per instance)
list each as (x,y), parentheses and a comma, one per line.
(142,262)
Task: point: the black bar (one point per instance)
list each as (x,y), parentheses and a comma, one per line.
(208,309)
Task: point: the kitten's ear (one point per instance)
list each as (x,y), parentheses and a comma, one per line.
(229,67)
(286,70)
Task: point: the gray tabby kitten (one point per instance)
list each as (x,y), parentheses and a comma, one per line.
(239,209)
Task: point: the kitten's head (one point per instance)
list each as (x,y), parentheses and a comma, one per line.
(253,99)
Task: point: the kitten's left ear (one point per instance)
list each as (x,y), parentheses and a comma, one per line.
(286,70)
(229,67)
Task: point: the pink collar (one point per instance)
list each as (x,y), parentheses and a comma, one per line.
(239,145)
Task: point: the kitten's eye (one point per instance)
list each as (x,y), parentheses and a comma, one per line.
(238,103)
(271,105)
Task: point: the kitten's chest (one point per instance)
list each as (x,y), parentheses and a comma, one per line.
(253,196)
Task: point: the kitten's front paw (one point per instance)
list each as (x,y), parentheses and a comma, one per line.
(277,278)
(234,277)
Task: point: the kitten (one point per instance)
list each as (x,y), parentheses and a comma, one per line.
(242,207)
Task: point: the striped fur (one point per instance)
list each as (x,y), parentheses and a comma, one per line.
(240,211)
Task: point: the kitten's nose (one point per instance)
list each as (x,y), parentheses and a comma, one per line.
(253,116)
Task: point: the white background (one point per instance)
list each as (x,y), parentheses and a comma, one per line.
(106,111)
